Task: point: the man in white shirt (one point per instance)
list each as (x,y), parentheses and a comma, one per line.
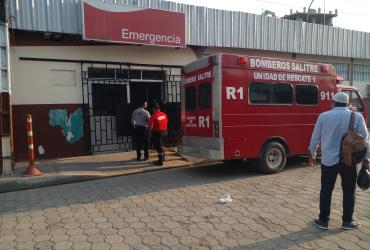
(330,127)
(140,118)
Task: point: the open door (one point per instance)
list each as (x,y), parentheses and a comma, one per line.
(147,91)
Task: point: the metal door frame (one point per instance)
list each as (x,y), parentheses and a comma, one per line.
(102,131)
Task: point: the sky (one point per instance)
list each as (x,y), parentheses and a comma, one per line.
(352,14)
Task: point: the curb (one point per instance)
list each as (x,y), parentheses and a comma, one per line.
(59,179)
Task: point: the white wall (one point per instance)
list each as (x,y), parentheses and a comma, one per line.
(36,82)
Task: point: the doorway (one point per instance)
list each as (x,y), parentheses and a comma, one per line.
(111,92)
(146,91)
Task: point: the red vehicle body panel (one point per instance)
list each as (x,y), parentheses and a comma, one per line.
(246,127)
(195,117)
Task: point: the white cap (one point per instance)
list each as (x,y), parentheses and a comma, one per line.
(341,97)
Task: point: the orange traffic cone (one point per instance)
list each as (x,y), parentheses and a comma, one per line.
(32,169)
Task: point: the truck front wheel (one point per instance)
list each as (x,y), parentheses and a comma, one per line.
(273,158)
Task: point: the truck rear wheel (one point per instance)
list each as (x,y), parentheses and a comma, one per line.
(273,158)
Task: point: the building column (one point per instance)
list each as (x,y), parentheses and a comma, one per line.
(351,72)
(6,167)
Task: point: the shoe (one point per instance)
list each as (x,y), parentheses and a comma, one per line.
(320,224)
(158,163)
(146,158)
(138,158)
(350,225)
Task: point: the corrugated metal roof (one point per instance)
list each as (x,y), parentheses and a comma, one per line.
(208,27)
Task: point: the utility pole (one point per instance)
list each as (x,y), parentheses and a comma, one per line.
(324,13)
(6,167)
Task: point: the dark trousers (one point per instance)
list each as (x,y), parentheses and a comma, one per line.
(328,178)
(141,140)
(158,143)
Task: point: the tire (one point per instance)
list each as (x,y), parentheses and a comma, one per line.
(273,158)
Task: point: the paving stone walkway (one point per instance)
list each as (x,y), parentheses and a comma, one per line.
(179,209)
(92,167)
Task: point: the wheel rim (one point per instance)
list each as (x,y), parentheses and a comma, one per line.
(274,158)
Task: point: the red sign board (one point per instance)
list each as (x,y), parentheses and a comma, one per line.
(127,24)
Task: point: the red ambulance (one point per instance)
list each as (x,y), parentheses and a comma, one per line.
(238,107)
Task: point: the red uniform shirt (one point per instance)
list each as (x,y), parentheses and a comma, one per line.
(158,122)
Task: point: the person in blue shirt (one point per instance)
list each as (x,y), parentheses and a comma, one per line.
(328,132)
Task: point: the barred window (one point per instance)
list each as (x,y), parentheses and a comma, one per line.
(115,73)
(106,98)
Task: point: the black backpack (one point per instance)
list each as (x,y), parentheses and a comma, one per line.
(363,179)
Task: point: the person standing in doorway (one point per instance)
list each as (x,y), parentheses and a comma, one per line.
(140,118)
(330,127)
(158,127)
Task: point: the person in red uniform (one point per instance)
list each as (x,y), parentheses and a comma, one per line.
(158,127)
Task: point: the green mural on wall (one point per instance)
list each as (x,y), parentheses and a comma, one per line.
(72,127)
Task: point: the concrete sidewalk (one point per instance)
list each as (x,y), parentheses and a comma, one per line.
(76,169)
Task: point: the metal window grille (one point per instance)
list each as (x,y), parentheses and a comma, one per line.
(109,93)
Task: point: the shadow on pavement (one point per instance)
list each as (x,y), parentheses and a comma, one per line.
(293,239)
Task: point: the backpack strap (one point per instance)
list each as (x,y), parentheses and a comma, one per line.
(352,120)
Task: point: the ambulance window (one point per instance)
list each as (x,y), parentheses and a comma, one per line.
(306,95)
(190,98)
(267,93)
(282,94)
(204,95)
(259,92)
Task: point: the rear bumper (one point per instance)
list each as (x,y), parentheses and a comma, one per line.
(202,147)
